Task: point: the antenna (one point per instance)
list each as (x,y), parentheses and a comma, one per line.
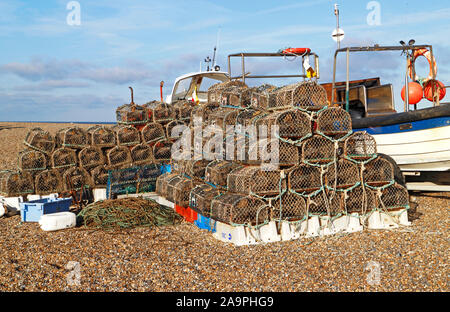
(336,12)
(216,49)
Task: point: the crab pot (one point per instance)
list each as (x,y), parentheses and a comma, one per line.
(283,97)
(181,191)
(40,140)
(217,118)
(263,97)
(75,179)
(127,135)
(162,183)
(100,176)
(101,136)
(162,150)
(201,197)
(394,197)
(171,186)
(13,183)
(32,160)
(48,182)
(195,168)
(289,207)
(119,156)
(239,209)
(293,124)
(342,174)
(142,154)
(215,91)
(334,122)
(378,172)
(318,150)
(229,118)
(72,137)
(287,154)
(267,121)
(171,125)
(236,96)
(63,158)
(304,178)
(91,157)
(247,117)
(217,171)
(325,204)
(360,200)
(360,146)
(153,132)
(309,95)
(131,114)
(183,110)
(254,180)
(161,112)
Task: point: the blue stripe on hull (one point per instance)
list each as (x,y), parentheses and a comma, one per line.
(409,126)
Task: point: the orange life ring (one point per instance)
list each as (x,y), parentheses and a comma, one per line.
(422,52)
(297,51)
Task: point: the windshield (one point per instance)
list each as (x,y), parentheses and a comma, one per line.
(182,88)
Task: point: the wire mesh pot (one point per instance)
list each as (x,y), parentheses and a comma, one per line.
(101,136)
(90,157)
(161,112)
(170,133)
(235,209)
(255,181)
(342,174)
(334,122)
(48,182)
(289,207)
(131,114)
(293,124)
(14,183)
(309,95)
(162,182)
(217,171)
(215,91)
(32,161)
(183,110)
(360,200)
(40,140)
(142,154)
(201,197)
(321,204)
(63,158)
(236,96)
(99,176)
(318,150)
(75,179)
(360,146)
(263,97)
(394,197)
(283,97)
(153,132)
(72,137)
(218,116)
(119,156)
(304,178)
(127,135)
(196,168)
(182,190)
(268,150)
(171,185)
(378,172)
(162,151)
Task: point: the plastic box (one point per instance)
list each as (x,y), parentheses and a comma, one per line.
(190,215)
(33,210)
(205,223)
(58,221)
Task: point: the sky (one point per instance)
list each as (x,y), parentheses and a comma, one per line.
(55,69)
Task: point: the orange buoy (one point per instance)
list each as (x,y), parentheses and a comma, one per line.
(434,85)
(415,93)
(297,51)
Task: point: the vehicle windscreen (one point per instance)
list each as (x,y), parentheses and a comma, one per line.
(182,89)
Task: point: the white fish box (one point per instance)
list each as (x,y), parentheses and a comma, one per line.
(242,235)
(293,230)
(343,224)
(99,194)
(58,221)
(33,197)
(13,203)
(2,210)
(381,220)
(53,195)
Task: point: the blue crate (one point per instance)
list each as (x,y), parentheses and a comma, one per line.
(166,168)
(205,223)
(33,210)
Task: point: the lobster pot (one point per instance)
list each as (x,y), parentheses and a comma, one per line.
(153,132)
(127,135)
(217,171)
(342,174)
(142,154)
(235,209)
(131,114)
(217,117)
(309,95)
(323,204)
(287,154)
(213,143)
(215,91)
(304,178)
(162,183)
(119,156)
(238,180)
(183,110)
(182,190)
(360,146)
(254,180)
(32,160)
(91,157)
(229,118)
(290,207)
(266,122)
(40,140)
(13,183)
(99,176)
(198,112)
(138,179)
(72,137)
(75,179)
(263,97)
(247,117)
(378,172)
(293,124)
(162,151)
(236,96)
(334,122)
(180,127)
(283,97)
(63,158)
(201,197)
(101,136)
(318,150)
(48,182)
(360,200)
(196,168)
(171,184)
(394,197)
(161,112)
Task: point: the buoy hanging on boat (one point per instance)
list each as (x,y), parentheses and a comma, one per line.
(415,93)
(432,86)
(431,61)
(299,51)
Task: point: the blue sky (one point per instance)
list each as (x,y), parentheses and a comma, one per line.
(51,71)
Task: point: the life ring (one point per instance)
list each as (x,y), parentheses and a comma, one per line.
(300,51)
(426,53)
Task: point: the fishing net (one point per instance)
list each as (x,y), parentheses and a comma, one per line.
(360,146)
(235,209)
(48,182)
(217,171)
(201,197)
(394,197)
(162,151)
(304,178)
(183,110)
(32,161)
(309,95)
(290,207)
(161,112)
(99,176)
(13,183)
(119,156)
(90,157)
(40,140)
(342,174)
(378,172)
(174,134)
(72,137)
(360,200)
(63,158)
(293,124)
(76,178)
(318,150)
(334,122)
(134,180)
(153,132)
(127,213)
(142,154)
(101,136)
(162,182)
(127,135)
(131,114)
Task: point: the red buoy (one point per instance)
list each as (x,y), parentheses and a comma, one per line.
(415,93)
(434,85)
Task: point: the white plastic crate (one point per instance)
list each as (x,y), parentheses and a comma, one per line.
(394,219)
(12,203)
(58,221)
(99,194)
(242,235)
